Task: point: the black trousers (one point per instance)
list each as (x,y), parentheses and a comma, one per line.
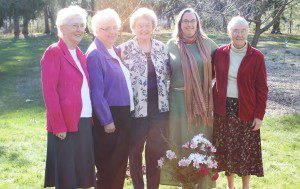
(112,149)
(151,130)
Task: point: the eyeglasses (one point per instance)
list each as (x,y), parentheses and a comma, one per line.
(110,29)
(186,22)
(141,26)
(239,32)
(77,26)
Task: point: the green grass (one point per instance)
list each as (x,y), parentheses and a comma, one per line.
(22,124)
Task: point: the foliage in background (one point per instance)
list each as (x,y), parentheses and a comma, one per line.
(263,15)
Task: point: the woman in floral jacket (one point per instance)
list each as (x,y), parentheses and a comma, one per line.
(147,60)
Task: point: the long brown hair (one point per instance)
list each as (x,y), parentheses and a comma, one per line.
(178,31)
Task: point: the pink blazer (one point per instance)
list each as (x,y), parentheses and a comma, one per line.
(61,82)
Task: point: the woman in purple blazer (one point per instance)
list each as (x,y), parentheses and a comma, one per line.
(65,80)
(111,95)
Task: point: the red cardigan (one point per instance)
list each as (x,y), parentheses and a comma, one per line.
(62,82)
(251,81)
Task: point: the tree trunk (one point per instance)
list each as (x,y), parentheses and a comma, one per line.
(1,22)
(52,20)
(46,16)
(257,33)
(63,3)
(168,25)
(16,27)
(84,5)
(291,20)
(25,27)
(92,7)
(224,23)
(276,25)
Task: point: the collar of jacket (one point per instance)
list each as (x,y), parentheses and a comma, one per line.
(226,49)
(103,50)
(62,45)
(154,45)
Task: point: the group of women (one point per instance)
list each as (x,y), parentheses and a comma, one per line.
(108,104)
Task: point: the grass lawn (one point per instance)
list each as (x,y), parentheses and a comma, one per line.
(22,120)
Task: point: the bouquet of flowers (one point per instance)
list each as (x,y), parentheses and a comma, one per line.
(195,160)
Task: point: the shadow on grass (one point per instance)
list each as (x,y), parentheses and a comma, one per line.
(13,158)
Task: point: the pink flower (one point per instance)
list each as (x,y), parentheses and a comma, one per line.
(203,171)
(186,145)
(208,147)
(215,177)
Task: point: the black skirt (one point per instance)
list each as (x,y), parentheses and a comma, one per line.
(238,147)
(70,162)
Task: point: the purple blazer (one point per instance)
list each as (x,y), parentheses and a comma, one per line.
(108,84)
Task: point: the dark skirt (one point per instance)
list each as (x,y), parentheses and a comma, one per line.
(70,162)
(238,147)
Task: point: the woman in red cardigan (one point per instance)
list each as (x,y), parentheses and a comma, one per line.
(65,80)
(240,96)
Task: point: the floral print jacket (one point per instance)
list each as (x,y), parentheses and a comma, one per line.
(136,62)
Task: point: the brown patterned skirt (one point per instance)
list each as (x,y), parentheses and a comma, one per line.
(238,147)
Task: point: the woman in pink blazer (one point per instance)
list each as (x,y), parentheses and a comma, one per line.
(65,80)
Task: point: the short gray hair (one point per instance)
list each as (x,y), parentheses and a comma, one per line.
(143,12)
(65,14)
(102,15)
(237,20)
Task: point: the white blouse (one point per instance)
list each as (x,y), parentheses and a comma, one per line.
(85,91)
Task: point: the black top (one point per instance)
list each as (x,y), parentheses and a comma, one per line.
(152,86)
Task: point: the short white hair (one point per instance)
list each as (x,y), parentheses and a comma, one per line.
(143,12)
(65,14)
(237,20)
(102,15)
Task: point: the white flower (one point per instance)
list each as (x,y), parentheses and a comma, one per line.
(211,163)
(184,162)
(171,155)
(160,162)
(213,149)
(197,159)
(202,147)
(193,144)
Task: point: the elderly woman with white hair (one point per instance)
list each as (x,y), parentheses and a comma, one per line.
(111,95)
(65,82)
(147,60)
(240,96)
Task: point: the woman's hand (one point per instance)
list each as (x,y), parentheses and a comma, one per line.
(256,124)
(61,135)
(110,128)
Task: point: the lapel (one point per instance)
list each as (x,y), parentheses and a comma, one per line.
(155,54)
(227,59)
(67,54)
(118,52)
(227,52)
(103,50)
(82,59)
